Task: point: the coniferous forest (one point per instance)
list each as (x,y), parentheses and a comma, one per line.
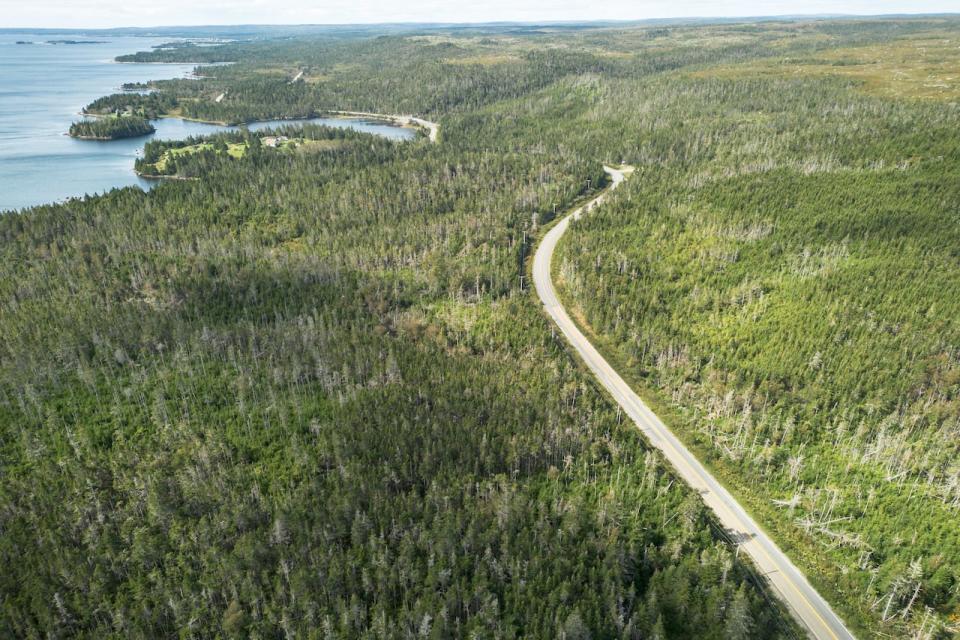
(111,128)
(309,393)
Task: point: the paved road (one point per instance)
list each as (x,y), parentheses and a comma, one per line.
(806,604)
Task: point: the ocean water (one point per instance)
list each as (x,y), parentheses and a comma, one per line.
(42,89)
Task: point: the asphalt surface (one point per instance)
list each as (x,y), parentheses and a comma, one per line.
(811,610)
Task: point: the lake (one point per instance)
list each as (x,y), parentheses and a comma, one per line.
(42,89)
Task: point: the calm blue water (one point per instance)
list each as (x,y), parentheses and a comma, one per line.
(43,87)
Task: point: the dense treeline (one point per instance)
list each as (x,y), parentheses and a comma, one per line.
(438,74)
(148,105)
(156,151)
(782,272)
(303,395)
(203,154)
(112,128)
(311,394)
(186,52)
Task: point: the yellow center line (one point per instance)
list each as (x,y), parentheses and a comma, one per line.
(736,517)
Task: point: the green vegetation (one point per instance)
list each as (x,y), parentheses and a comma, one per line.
(788,285)
(189,158)
(186,52)
(305,394)
(146,105)
(195,157)
(310,393)
(926,66)
(111,128)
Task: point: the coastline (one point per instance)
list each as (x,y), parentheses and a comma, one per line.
(89,114)
(431,129)
(219,123)
(115,61)
(408,122)
(95,116)
(147,176)
(108,139)
(403,122)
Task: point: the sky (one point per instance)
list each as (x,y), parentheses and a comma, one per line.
(85,14)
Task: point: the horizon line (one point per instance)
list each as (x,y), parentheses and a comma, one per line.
(495,23)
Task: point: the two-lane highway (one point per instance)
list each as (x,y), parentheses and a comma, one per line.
(791,585)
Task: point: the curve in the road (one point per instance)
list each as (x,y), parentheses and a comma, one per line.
(790,584)
(433,129)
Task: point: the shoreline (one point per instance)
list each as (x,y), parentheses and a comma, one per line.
(400,121)
(147,176)
(218,123)
(115,61)
(408,122)
(108,139)
(403,122)
(432,129)
(96,116)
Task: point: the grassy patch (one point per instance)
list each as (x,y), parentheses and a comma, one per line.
(237,150)
(482,59)
(926,67)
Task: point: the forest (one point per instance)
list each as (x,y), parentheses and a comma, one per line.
(111,128)
(148,105)
(310,392)
(198,156)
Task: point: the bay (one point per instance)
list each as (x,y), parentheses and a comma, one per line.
(44,86)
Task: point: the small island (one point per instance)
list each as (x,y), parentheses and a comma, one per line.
(76,42)
(111,128)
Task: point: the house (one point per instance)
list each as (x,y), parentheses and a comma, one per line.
(274,141)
